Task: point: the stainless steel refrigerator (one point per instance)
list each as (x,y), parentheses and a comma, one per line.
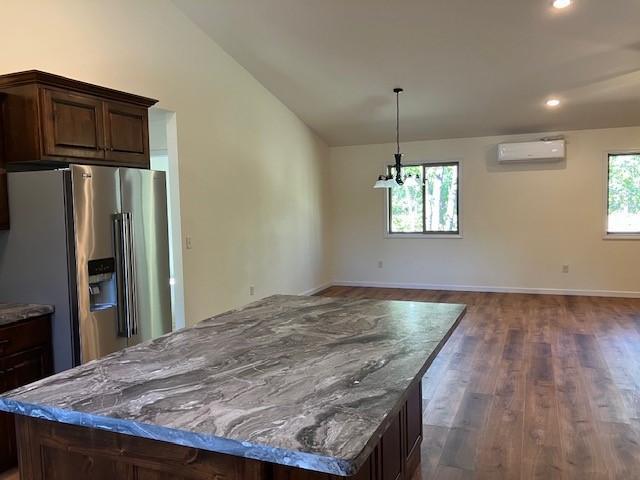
(92,241)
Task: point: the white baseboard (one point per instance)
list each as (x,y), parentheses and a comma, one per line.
(318,289)
(489,289)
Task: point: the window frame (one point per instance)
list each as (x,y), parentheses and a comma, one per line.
(607,235)
(426,233)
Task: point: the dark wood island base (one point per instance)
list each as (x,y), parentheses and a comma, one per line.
(56,451)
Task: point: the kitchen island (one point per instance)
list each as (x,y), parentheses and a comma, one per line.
(289,387)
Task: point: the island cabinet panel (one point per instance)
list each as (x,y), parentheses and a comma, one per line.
(413,428)
(52,121)
(25,356)
(391,451)
(366,472)
(52,451)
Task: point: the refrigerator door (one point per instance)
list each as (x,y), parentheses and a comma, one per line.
(37,259)
(144,202)
(95,204)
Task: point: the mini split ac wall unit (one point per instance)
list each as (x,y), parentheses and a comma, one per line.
(538,151)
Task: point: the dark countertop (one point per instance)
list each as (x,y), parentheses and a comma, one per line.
(303,381)
(16,312)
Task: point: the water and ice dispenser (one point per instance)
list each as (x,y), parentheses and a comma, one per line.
(103,292)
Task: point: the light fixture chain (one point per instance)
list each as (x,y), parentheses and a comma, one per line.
(384,180)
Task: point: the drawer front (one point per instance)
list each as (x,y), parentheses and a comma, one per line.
(25,335)
(25,367)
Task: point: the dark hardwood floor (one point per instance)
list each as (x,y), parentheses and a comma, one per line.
(531,386)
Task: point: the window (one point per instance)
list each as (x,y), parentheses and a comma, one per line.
(432,208)
(623,194)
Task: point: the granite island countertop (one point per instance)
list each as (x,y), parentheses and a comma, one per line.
(301,381)
(16,312)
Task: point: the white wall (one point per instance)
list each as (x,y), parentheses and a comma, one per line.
(520,223)
(251,225)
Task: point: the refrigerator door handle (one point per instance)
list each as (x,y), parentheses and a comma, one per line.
(124,326)
(130,265)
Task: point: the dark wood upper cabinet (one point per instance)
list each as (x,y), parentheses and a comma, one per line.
(52,121)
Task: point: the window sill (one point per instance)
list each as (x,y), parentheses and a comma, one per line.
(621,236)
(423,235)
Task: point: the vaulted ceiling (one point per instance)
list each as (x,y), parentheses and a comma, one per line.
(469,67)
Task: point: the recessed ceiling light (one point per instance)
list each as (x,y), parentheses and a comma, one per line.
(552,102)
(561,3)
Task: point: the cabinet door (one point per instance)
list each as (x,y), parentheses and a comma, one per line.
(8,454)
(4,200)
(127,134)
(391,451)
(4,195)
(15,371)
(413,428)
(72,125)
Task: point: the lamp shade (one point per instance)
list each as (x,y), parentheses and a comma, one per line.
(382,182)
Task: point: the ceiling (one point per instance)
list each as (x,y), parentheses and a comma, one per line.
(468,67)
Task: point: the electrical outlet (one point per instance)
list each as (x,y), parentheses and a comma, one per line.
(565,269)
(188,242)
(380,264)
(252,290)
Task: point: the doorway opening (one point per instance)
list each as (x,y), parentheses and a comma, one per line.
(163,140)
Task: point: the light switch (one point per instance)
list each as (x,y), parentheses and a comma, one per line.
(188,242)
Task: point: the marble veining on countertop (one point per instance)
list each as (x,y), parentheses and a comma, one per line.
(16,312)
(301,381)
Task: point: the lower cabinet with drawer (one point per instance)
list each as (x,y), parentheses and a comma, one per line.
(25,356)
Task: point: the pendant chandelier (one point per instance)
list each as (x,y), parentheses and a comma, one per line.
(389,180)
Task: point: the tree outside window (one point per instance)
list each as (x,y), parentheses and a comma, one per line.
(431,208)
(623,194)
